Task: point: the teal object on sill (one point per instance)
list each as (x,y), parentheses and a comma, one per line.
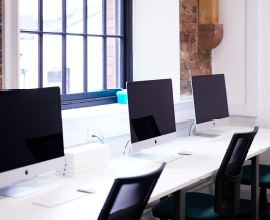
(122,96)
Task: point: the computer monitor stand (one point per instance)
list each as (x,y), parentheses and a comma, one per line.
(144,156)
(209,134)
(26,187)
(17,191)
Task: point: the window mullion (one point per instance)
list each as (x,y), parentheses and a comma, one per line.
(64,49)
(85,47)
(40,44)
(104,22)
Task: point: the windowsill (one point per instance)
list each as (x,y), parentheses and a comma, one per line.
(115,111)
(108,121)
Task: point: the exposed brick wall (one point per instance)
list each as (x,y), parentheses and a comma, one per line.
(192,61)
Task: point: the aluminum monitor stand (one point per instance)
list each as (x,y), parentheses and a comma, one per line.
(207,126)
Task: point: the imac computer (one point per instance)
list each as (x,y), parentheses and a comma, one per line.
(151,113)
(31,137)
(210,101)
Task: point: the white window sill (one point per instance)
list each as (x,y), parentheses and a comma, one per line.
(108,121)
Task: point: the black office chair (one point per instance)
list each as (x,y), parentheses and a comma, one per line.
(264,183)
(226,201)
(129,196)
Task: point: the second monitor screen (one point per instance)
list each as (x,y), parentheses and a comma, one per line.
(151,109)
(210,99)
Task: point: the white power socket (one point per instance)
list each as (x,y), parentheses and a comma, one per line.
(92,131)
(113,130)
(105,131)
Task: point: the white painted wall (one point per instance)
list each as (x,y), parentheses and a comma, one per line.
(230,56)
(263,64)
(156,41)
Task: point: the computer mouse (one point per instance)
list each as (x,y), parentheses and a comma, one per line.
(87,189)
(184,152)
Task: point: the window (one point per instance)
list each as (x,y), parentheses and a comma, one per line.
(82,46)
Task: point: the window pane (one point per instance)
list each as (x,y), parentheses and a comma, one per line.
(113,17)
(52,61)
(95,63)
(28,61)
(74,64)
(52,15)
(29,14)
(74,16)
(113,63)
(94,18)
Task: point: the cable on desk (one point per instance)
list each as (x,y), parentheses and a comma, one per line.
(126,146)
(98,138)
(190,128)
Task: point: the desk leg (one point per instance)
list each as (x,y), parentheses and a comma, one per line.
(180,205)
(255,188)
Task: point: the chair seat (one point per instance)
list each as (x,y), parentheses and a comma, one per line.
(198,206)
(264,175)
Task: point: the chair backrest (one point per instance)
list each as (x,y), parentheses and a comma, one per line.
(129,196)
(228,179)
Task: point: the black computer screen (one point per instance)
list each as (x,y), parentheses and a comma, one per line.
(210,99)
(30,127)
(151,109)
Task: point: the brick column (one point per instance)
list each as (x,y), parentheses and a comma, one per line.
(192,61)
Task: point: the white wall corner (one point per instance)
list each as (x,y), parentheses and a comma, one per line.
(235,109)
(251,107)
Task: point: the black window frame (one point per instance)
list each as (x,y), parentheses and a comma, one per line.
(97,97)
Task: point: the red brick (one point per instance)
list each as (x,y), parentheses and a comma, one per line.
(184,46)
(184,84)
(195,9)
(201,65)
(197,55)
(208,65)
(192,38)
(188,8)
(192,65)
(193,2)
(193,19)
(190,28)
(182,27)
(184,75)
(183,65)
(184,37)
(192,47)
(206,54)
(206,72)
(195,73)
(182,7)
(185,1)
(184,55)
(184,18)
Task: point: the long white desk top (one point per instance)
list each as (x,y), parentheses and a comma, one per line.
(204,162)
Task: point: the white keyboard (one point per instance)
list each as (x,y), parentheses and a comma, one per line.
(166,158)
(59,198)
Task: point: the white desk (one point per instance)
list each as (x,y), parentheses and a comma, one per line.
(205,161)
